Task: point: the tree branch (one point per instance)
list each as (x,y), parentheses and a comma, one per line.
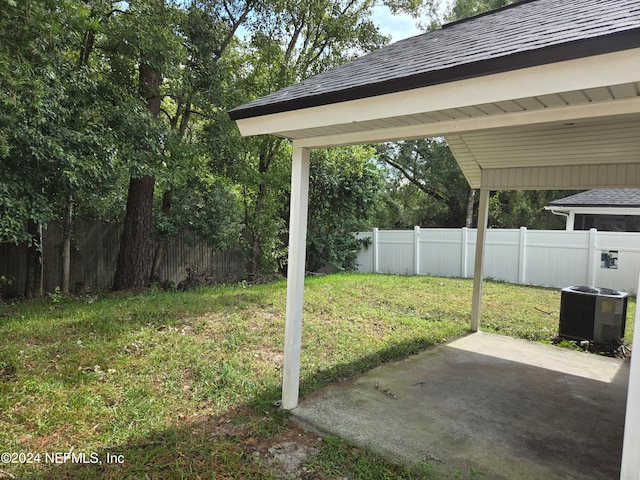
(410,175)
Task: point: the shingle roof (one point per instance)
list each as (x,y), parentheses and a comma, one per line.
(625,197)
(532,32)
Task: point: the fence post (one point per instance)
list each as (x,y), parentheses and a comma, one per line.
(593,257)
(522,253)
(463,252)
(375,250)
(416,250)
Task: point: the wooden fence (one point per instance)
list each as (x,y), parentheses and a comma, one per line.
(94,254)
(554,258)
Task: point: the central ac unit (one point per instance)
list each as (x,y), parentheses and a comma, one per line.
(592,313)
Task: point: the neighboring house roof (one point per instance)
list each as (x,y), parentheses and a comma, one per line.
(618,198)
(525,34)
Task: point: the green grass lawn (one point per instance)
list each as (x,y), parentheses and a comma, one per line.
(181,384)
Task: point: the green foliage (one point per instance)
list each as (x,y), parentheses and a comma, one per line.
(468,8)
(202,209)
(345,185)
(75,122)
(425,185)
(518,208)
(53,142)
(285,43)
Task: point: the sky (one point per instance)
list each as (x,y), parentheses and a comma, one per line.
(402,25)
(397,26)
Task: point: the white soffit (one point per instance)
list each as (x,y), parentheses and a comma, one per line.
(582,153)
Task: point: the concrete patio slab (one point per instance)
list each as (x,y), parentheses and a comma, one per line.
(508,408)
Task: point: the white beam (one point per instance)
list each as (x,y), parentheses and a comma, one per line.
(504,120)
(630,469)
(481,235)
(295,277)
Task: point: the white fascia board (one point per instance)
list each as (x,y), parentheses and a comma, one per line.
(590,72)
(596,210)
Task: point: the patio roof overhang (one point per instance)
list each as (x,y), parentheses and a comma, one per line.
(550,101)
(568,125)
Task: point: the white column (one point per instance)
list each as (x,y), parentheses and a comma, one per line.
(481,234)
(630,469)
(295,276)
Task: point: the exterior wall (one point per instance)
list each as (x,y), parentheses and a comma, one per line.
(553,258)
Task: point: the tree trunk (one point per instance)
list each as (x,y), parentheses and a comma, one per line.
(67,228)
(136,246)
(470,202)
(135,257)
(33,286)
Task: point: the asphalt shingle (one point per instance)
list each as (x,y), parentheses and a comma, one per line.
(624,197)
(532,32)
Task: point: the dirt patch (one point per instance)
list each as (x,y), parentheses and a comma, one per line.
(286,455)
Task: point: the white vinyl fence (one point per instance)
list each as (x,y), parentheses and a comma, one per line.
(554,258)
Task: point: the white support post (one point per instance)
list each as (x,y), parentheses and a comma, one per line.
(476,301)
(416,250)
(630,469)
(295,276)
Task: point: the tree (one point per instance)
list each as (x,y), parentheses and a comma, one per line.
(467,8)
(429,166)
(525,208)
(191,86)
(102,100)
(297,40)
(344,190)
(203,206)
(29,93)
(195,94)
(148,29)
(52,145)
